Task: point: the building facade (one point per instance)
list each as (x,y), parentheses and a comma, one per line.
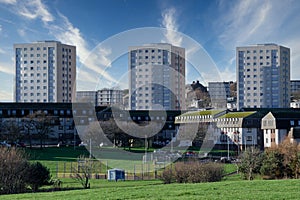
(45,72)
(103,97)
(295,86)
(107,97)
(263,76)
(157,77)
(86,97)
(219,92)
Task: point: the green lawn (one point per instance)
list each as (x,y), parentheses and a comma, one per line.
(102,189)
(231,187)
(60,161)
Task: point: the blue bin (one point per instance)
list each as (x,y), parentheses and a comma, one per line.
(115,174)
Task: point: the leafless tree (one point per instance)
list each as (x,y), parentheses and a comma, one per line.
(83,172)
(40,123)
(11,130)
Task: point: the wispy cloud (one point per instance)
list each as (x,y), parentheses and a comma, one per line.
(21,32)
(7,68)
(8,1)
(249,22)
(2,51)
(33,9)
(63,30)
(96,60)
(169,22)
(6,95)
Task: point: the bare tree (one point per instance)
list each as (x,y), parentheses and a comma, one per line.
(13,167)
(83,172)
(38,122)
(11,130)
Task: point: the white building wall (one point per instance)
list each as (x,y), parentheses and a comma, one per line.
(45,72)
(157,77)
(263,76)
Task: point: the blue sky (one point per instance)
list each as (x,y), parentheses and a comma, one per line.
(219,26)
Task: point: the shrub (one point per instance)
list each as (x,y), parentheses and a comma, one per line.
(193,172)
(16,173)
(13,167)
(181,173)
(37,175)
(167,176)
(251,161)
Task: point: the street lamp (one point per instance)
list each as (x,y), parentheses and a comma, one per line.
(227,147)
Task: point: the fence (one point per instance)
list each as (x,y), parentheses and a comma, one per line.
(143,171)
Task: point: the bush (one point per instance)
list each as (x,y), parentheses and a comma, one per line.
(193,172)
(13,167)
(37,175)
(16,173)
(167,176)
(181,173)
(251,161)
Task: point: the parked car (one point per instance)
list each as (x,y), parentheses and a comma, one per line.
(4,144)
(225,160)
(82,144)
(18,144)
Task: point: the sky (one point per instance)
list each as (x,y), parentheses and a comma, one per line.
(102,30)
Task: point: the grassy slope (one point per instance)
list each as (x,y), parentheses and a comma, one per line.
(101,189)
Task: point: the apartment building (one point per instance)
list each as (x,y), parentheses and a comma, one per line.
(219,92)
(157,77)
(263,76)
(45,72)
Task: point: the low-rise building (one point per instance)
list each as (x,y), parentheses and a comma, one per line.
(277,124)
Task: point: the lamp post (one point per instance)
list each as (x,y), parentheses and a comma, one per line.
(227,147)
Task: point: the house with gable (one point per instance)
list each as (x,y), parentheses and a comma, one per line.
(277,125)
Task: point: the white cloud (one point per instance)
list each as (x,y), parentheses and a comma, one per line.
(7,68)
(169,22)
(241,23)
(254,21)
(227,74)
(2,51)
(6,96)
(8,1)
(96,60)
(21,32)
(33,9)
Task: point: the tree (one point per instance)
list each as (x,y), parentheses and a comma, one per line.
(13,167)
(251,161)
(37,175)
(291,161)
(272,164)
(11,130)
(83,172)
(17,173)
(39,122)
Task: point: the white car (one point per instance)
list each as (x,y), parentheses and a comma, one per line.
(82,144)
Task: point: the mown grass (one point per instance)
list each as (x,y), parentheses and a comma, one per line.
(60,161)
(231,187)
(102,189)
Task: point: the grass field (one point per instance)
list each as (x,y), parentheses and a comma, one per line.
(61,160)
(231,187)
(102,189)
